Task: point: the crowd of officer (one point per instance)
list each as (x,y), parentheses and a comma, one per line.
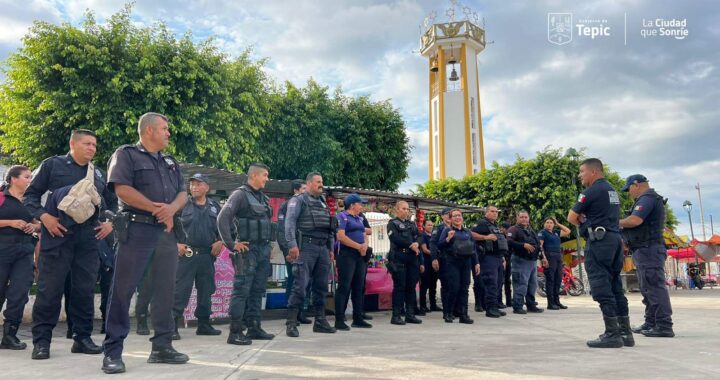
(166,241)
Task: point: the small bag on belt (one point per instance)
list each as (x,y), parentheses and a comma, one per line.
(80,202)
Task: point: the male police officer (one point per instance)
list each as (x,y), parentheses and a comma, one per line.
(597,212)
(525,246)
(298,187)
(150,188)
(404,259)
(438,256)
(309,230)
(495,246)
(250,210)
(643,233)
(76,253)
(199,221)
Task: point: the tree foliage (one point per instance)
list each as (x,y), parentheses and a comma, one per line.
(223,112)
(545,186)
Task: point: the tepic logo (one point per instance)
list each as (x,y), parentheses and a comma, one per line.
(560,28)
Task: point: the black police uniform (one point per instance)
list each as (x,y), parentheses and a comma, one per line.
(16,268)
(428,279)
(143,243)
(647,244)
(200,225)
(309,226)
(439,255)
(251,212)
(290,279)
(76,253)
(600,204)
(461,260)
(405,269)
(491,265)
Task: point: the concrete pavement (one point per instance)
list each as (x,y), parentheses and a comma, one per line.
(550,345)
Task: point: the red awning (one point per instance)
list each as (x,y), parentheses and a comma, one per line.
(684,254)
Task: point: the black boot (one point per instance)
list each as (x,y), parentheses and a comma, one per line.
(434,306)
(85,346)
(111,365)
(396,317)
(256,332)
(659,332)
(292,322)
(321,324)
(447,317)
(302,318)
(493,313)
(610,338)
(41,351)
(236,334)
(176,333)
(625,331)
(410,315)
(552,306)
(205,328)
(340,323)
(167,355)
(420,312)
(142,326)
(465,318)
(9,339)
(644,326)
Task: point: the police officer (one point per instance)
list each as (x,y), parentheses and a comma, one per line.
(552,260)
(197,256)
(298,187)
(525,247)
(597,212)
(16,253)
(74,249)
(404,258)
(150,188)
(438,256)
(250,210)
(461,261)
(494,246)
(309,230)
(429,278)
(506,279)
(643,232)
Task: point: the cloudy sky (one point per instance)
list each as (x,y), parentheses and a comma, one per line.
(641,104)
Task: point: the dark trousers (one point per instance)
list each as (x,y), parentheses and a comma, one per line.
(16,277)
(650,263)
(506,281)
(553,277)
(78,255)
(442,276)
(479,290)
(351,269)
(250,285)
(405,278)
(144,291)
(291,279)
(313,264)
(199,269)
(603,262)
(147,245)
(491,272)
(428,284)
(524,281)
(105,276)
(458,273)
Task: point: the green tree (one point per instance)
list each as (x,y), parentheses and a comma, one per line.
(103,77)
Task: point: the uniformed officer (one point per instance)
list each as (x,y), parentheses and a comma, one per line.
(150,188)
(438,256)
(249,208)
(298,187)
(309,230)
(525,246)
(404,259)
(494,248)
(461,261)
(16,253)
(597,212)
(552,260)
(643,233)
(429,278)
(74,249)
(199,221)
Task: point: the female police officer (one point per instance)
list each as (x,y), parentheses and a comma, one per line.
(550,244)
(16,253)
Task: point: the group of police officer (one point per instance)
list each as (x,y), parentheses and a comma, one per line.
(174,245)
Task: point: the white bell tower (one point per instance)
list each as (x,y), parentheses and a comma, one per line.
(456,138)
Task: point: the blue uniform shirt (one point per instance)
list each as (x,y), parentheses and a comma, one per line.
(352,225)
(551,240)
(645,206)
(601,205)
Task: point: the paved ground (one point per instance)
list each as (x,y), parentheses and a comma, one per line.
(544,346)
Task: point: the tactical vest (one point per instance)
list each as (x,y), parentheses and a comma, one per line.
(254,222)
(404,229)
(463,248)
(532,239)
(497,247)
(315,220)
(650,231)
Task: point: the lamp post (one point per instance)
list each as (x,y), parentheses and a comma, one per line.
(572,153)
(687,205)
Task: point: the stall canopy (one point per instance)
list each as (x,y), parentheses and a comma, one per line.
(223,182)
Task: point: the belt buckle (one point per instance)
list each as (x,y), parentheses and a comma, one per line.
(189,252)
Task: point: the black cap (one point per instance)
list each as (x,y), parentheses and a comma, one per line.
(635,178)
(446,210)
(198,177)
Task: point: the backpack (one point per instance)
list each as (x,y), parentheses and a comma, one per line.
(82,199)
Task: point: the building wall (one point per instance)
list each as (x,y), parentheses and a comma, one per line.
(454,134)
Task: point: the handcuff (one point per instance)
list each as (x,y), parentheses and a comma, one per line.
(189,252)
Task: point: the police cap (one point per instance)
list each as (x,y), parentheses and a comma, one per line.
(635,178)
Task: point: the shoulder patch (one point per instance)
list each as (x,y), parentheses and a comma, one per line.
(614,197)
(581,198)
(638,208)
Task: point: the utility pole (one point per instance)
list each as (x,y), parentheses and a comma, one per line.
(702,212)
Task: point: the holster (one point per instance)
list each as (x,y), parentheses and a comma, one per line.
(120,222)
(179,230)
(238,262)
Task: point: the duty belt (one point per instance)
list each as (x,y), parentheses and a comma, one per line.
(404,250)
(15,239)
(201,250)
(314,241)
(145,219)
